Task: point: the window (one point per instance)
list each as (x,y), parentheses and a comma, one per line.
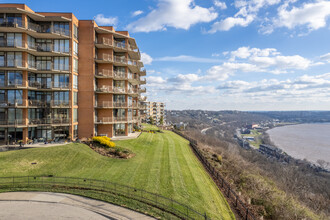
(44,45)
(75,81)
(61,63)
(75,115)
(62,28)
(75,65)
(75,48)
(14,59)
(14,39)
(31,42)
(15,96)
(75,98)
(62,46)
(75,131)
(14,78)
(2,78)
(75,32)
(61,80)
(44,63)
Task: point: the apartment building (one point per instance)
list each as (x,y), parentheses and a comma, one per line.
(155,110)
(64,78)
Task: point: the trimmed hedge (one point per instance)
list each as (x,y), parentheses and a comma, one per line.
(105,141)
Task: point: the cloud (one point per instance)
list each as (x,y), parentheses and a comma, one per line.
(136,13)
(155,80)
(312,15)
(146,59)
(101,20)
(173,13)
(246,59)
(185,58)
(221,5)
(247,13)
(303,87)
(325,57)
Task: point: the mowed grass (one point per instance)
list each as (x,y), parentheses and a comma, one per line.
(164,164)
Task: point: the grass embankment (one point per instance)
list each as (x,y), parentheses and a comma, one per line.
(164,164)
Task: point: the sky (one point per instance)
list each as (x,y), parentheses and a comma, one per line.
(223,55)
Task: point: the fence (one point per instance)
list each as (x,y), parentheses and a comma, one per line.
(67,184)
(222,184)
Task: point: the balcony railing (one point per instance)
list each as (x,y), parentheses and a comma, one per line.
(51,103)
(104,73)
(120,59)
(13,122)
(48,29)
(119,90)
(49,121)
(104,57)
(16,83)
(110,104)
(120,44)
(105,41)
(12,43)
(13,103)
(142,90)
(104,120)
(143,81)
(52,85)
(49,66)
(11,23)
(18,63)
(49,48)
(119,75)
(132,91)
(104,89)
(143,98)
(143,72)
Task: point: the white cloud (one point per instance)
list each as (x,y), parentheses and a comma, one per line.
(325,57)
(246,59)
(155,80)
(247,13)
(136,13)
(313,15)
(230,22)
(185,58)
(173,13)
(221,5)
(146,59)
(304,87)
(101,20)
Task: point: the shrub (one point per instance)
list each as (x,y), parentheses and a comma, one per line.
(105,141)
(219,157)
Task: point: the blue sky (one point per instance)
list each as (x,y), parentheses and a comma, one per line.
(216,55)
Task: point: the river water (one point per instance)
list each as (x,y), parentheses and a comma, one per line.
(310,141)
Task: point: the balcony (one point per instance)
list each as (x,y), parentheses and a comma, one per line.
(11,25)
(133,79)
(110,120)
(48,67)
(47,31)
(104,74)
(119,90)
(134,52)
(119,75)
(110,104)
(143,98)
(15,84)
(49,121)
(144,90)
(104,43)
(13,123)
(48,104)
(51,85)
(16,103)
(12,43)
(15,64)
(143,81)
(143,72)
(120,60)
(104,58)
(38,49)
(104,89)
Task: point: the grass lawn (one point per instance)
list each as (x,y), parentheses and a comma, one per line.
(164,164)
(257,140)
(149,127)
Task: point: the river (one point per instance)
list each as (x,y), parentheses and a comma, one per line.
(310,141)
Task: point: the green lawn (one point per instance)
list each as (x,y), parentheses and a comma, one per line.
(149,127)
(164,164)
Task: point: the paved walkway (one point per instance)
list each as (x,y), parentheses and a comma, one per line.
(130,136)
(46,205)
